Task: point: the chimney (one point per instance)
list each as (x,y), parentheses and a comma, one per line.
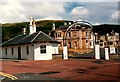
(24,30)
(70,23)
(65,23)
(32,27)
(53,27)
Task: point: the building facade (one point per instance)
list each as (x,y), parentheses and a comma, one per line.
(32,46)
(79,36)
(109,40)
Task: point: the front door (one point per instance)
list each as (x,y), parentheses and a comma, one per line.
(19,52)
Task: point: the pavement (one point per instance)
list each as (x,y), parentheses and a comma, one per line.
(72,69)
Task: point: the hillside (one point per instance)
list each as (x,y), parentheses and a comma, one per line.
(106,28)
(10,30)
(14,29)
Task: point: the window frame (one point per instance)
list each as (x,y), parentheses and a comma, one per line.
(43,49)
(5,51)
(12,51)
(27,50)
(74,34)
(59,34)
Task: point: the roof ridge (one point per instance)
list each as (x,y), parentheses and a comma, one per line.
(48,36)
(36,36)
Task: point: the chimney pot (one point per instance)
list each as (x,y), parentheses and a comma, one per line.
(65,23)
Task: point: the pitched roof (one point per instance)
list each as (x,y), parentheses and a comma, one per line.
(38,37)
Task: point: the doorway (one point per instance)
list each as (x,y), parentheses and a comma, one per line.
(19,53)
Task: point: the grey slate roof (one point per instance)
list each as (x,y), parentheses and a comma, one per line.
(37,37)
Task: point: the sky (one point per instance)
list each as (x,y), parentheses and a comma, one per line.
(93,11)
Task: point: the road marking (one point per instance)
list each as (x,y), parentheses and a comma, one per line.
(8,75)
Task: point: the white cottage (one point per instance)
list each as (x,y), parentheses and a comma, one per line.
(32,46)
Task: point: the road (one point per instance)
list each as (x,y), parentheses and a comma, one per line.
(72,69)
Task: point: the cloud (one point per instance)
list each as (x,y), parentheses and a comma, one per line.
(67,0)
(15,11)
(115,16)
(46,10)
(79,13)
(52,18)
(19,11)
(11,11)
(100,12)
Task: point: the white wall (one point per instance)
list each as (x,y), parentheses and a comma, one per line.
(55,49)
(0,52)
(3,52)
(34,51)
(45,56)
(16,52)
(24,54)
(9,52)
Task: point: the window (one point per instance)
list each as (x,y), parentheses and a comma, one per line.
(110,43)
(69,34)
(12,50)
(75,44)
(27,49)
(6,51)
(86,34)
(86,41)
(74,34)
(59,34)
(43,49)
(55,35)
(90,44)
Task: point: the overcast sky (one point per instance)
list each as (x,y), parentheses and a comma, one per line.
(95,12)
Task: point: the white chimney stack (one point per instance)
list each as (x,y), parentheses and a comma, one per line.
(70,23)
(24,30)
(65,23)
(53,26)
(32,27)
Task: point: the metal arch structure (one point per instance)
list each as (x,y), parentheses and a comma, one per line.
(89,24)
(71,26)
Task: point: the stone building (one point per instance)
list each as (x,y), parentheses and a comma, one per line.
(108,40)
(79,36)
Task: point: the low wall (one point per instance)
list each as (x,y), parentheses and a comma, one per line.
(56,56)
(114,56)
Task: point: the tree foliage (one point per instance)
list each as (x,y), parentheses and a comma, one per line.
(106,28)
(11,30)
